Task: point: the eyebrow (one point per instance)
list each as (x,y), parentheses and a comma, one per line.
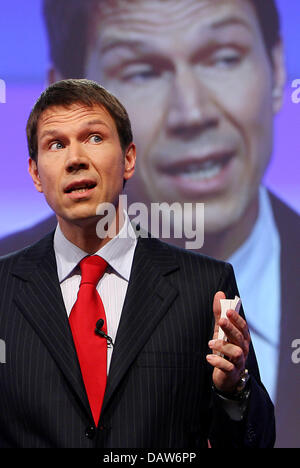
(140,44)
(47,133)
(95,122)
(129,43)
(232,20)
(54,132)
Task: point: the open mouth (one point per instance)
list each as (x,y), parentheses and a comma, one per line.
(80,187)
(196,170)
(195,176)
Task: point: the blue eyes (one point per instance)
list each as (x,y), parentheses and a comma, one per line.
(58,145)
(95,139)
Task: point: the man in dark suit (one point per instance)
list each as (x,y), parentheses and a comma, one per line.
(162,304)
(219,108)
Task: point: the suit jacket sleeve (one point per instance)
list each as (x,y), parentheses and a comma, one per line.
(257,428)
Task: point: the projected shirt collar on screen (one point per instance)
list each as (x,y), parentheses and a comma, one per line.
(259,257)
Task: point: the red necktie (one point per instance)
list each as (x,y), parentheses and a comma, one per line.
(91,348)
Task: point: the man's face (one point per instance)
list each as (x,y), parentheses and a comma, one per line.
(80,162)
(198,84)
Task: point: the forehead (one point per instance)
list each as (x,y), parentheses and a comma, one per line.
(73,116)
(119,18)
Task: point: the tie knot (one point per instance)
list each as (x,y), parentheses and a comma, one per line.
(92,269)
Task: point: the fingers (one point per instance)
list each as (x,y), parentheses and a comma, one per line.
(217,310)
(229,357)
(226,372)
(234,354)
(221,364)
(217,305)
(240,323)
(236,330)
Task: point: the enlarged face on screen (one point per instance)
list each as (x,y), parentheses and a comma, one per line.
(201,92)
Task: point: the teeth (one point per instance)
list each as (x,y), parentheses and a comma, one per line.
(81,190)
(206,171)
(197,171)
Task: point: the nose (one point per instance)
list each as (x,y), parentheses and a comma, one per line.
(191,108)
(76,159)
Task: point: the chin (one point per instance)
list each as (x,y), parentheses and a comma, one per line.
(222,219)
(80,218)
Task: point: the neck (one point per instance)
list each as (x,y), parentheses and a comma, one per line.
(223,244)
(90,235)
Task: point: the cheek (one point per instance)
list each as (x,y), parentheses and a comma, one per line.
(249,111)
(147,108)
(148,128)
(111,173)
(258,132)
(49,182)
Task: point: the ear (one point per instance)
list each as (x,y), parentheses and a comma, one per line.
(34,172)
(130,159)
(279,76)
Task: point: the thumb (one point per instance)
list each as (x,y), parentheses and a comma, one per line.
(217,311)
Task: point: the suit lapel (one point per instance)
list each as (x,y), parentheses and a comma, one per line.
(148,298)
(40,301)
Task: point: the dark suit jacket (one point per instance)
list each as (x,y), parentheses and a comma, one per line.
(159,385)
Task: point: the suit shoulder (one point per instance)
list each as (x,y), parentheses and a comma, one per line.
(26,237)
(196,257)
(191,269)
(186,257)
(288,225)
(10,259)
(286,218)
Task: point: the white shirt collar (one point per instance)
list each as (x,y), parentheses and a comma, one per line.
(262,242)
(118,252)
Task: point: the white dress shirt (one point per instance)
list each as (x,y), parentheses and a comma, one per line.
(112,287)
(257,268)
